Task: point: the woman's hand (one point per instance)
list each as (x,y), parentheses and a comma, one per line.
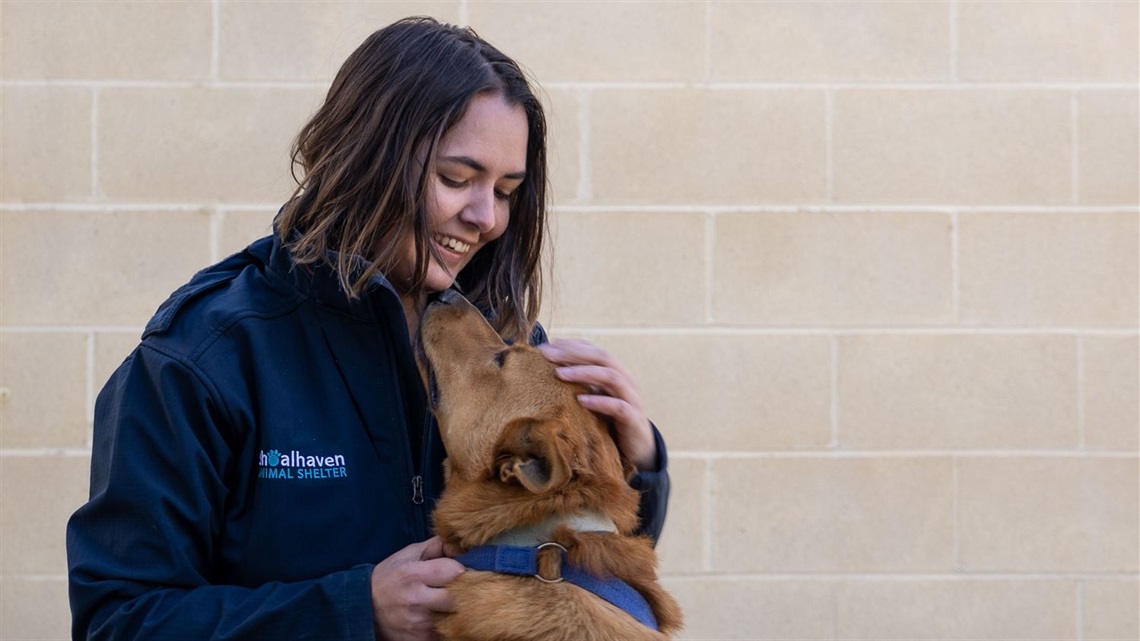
(614,394)
(408,587)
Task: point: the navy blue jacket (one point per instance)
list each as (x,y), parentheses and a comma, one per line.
(262,449)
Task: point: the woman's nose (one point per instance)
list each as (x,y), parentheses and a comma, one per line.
(480,209)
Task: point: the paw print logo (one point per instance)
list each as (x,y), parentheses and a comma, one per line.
(274,458)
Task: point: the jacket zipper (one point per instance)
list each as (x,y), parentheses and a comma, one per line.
(418,489)
(425,454)
(418,474)
(398,335)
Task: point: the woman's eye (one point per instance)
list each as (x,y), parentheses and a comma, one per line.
(501,195)
(449,182)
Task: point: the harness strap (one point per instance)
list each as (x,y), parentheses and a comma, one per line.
(523,561)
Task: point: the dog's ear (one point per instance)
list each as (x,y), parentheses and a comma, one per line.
(535,454)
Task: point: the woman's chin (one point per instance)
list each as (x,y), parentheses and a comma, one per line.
(438,282)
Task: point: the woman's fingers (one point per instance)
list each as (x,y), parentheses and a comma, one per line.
(606,379)
(408,587)
(578,352)
(613,393)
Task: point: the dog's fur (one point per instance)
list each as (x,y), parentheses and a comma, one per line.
(520,450)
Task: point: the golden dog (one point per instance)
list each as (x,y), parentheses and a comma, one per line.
(529,468)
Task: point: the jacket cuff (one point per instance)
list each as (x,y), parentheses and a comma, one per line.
(653,485)
(660,464)
(357,606)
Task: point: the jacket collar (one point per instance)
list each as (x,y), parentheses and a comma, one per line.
(320,282)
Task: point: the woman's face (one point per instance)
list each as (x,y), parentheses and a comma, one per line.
(479,162)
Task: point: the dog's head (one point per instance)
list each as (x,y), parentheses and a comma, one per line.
(503,414)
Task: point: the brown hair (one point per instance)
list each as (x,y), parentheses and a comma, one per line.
(363,189)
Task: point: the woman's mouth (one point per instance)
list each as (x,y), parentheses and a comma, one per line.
(454,244)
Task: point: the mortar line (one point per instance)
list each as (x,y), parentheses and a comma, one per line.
(866,577)
(299,85)
(710,517)
(874,86)
(77,329)
(110,207)
(834,594)
(710,511)
(717,455)
(70,452)
(828,330)
(954,8)
(225,208)
(585,169)
(1080,610)
(628,84)
(1075,140)
(215,39)
(207,83)
(955,268)
(3,548)
(710,330)
(89,408)
(96,191)
(615,208)
(39,578)
(829,144)
(1082,442)
(619,84)
(955,542)
(217,219)
(708,39)
(915,208)
(710,267)
(99,84)
(835,444)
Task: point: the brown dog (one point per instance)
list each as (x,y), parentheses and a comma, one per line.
(528,465)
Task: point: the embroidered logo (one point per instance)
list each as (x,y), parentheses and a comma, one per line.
(300,466)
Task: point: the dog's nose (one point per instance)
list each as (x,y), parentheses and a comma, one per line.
(441,297)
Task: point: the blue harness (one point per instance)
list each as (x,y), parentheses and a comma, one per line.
(523,561)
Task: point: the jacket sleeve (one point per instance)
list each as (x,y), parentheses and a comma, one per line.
(141,551)
(654,489)
(653,485)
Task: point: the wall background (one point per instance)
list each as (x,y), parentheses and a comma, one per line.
(875,264)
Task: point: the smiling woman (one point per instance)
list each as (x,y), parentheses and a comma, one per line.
(418,124)
(265,463)
(479,165)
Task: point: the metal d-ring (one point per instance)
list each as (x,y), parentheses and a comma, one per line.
(549,544)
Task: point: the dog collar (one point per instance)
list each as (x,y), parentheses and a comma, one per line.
(534,535)
(523,561)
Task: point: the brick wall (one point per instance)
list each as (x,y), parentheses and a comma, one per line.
(874,263)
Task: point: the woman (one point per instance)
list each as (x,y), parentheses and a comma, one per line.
(264,464)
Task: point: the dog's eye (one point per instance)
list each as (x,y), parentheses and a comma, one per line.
(500,358)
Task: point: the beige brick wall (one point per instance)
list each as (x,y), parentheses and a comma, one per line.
(874,263)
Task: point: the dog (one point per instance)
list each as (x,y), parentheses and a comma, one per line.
(537,495)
